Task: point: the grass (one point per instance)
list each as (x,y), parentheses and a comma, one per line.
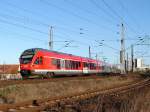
(28,92)
(137,100)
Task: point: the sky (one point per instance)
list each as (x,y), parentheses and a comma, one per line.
(79,24)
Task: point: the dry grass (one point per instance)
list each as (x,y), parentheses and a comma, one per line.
(27,92)
(137,100)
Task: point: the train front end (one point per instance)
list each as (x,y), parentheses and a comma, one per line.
(26,62)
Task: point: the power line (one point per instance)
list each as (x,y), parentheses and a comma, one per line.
(86,10)
(117,15)
(131,17)
(33,13)
(101,44)
(102,9)
(112,10)
(27,19)
(35,30)
(31,20)
(23,26)
(24,37)
(26,27)
(18,19)
(75,15)
(24,19)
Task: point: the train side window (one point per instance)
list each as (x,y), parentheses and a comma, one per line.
(58,63)
(76,65)
(54,61)
(67,64)
(72,64)
(40,60)
(79,64)
(85,64)
(95,66)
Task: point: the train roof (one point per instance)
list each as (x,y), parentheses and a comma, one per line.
(41,49)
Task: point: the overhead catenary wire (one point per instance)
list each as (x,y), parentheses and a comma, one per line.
(36,30)
(117,15)
(102,9)
(22,26)
(75,15)
(38,22)
(130,16)
(33,21)
(27,27)
(87,11)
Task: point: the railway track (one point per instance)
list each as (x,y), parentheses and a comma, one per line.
(39,105)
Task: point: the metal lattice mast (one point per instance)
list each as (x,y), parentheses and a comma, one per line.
(122,53)
(89,52)
(51,38)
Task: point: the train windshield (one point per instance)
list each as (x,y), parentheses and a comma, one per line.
(26,59)
(27,56)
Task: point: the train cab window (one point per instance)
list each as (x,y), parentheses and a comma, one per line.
(38,61)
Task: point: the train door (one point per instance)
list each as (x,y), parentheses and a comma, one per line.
(85,68)
(62,64)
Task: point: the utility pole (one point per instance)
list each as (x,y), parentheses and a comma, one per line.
(51,38)
(132,57)
(122,52)
(89,52)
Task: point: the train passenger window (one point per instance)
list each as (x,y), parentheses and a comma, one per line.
(85,64)
(58,63)
(92,66)
(95,66)
(76,64)
(54,61)
(79,64)
(67,64)
(40,60)
(73,65)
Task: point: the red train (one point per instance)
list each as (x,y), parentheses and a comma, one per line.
(46,63)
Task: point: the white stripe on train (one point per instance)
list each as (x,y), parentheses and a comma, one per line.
(44,71)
